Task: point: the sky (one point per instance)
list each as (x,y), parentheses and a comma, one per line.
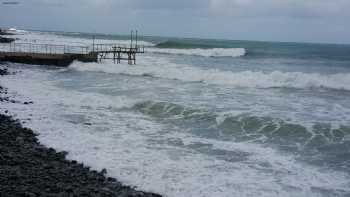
(325,21)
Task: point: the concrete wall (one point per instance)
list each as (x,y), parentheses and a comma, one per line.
(62,60)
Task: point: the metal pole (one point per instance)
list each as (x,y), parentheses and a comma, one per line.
(131,38)
(93,43)
(136,41)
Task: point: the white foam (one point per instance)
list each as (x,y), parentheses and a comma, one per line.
(85,99)
(248,79)
(214,52)
(134,148)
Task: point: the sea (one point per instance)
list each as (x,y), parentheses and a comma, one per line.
(197,117)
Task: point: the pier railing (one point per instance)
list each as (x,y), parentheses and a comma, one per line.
(115,52)
(43,48)
(68,49)
(124,48)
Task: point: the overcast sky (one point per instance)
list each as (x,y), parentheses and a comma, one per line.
(278,20)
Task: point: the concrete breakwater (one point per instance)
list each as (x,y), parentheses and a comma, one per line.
(45,54)
(46,58)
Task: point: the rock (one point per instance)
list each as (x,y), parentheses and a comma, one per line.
(4,71)
(29,194)
(20,140)
(111,179)
(69,189)
(5,32)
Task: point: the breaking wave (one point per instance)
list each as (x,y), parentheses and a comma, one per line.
(194,44)
(182,159)
(316,144)
(243,79)
(197,48)
(214,52)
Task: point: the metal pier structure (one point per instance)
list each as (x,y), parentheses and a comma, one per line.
(64,55)
(117,52)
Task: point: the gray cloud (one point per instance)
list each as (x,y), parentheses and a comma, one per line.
(289,8)
(286,20)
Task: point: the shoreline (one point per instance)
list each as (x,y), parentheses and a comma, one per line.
(28,168)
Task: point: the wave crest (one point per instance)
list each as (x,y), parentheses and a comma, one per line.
(243,79)
(245,127)
(214,52)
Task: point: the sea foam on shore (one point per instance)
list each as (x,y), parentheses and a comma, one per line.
(28,168)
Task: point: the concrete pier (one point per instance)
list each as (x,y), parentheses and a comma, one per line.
(45,54)
(46,59)
(64,55)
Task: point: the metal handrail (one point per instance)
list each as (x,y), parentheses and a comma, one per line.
(43,48)
(119,47)
(68,49)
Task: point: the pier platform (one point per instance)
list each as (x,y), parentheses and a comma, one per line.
(64,55)
(46,59)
